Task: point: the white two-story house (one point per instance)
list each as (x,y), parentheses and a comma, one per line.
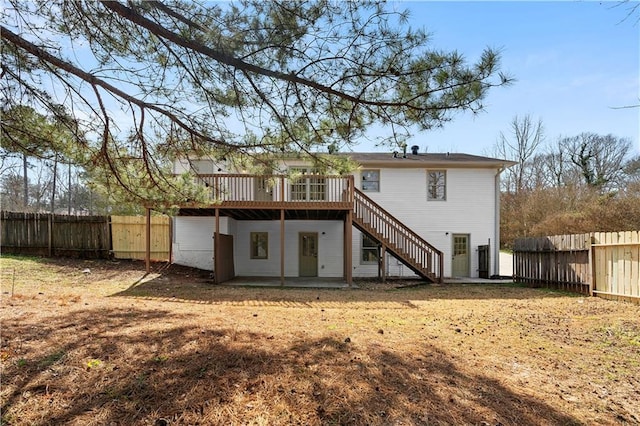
(430,215)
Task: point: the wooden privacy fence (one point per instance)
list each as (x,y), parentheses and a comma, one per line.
(616,264)
(129,239)
(122,237)
(44,234)
(605,264)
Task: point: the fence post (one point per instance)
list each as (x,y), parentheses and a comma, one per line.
(592,264)
(50,229)
(109,242)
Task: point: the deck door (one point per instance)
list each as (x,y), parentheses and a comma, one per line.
(308,247)
(460,259)
(308,187)
(263,191)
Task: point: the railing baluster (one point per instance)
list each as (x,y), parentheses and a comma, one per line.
(406,243)
(250,188)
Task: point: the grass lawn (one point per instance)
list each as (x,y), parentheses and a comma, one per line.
(109,346)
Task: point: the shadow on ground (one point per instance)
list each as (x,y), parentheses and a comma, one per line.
(112,366)
(197,287)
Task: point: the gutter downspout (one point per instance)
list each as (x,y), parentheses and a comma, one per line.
(496,245)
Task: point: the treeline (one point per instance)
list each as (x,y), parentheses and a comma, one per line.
(49,164)
(578,184)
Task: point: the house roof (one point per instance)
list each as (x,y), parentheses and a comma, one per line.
(420,160)
(387,159)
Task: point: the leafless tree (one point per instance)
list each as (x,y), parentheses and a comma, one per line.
(631,10)
(599,159)
(520,144)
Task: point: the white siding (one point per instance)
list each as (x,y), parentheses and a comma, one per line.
(193,240)
(468,209)
(193,245)
(330,247)
(394,267)
(209,166)
(201,166)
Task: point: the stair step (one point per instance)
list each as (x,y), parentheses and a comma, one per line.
(412,239)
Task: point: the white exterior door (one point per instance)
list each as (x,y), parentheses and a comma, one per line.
(308,257)
(263,191)
(460,258)
(308,187)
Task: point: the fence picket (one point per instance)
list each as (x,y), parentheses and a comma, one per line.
(128,235)
(634,276)
(44,234)
(606,263)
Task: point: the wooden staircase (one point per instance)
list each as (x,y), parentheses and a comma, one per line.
(404,244)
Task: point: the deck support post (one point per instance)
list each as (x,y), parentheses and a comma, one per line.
(216,248)
(344,249)
(282,247)
(382,265)
(348,245)
(147,254)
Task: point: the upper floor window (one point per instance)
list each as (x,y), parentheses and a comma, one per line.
(202,167)
(370,180)
(436,185)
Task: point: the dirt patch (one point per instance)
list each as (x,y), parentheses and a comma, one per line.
(94,342)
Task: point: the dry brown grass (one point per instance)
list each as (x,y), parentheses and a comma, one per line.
(108,348)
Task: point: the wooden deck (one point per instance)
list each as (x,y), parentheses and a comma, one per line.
(262,197)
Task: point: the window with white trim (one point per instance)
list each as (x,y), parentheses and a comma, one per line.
(436,185)
(259,245)
(368,251)
(370,181)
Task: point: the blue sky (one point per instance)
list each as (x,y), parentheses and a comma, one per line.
(573,62)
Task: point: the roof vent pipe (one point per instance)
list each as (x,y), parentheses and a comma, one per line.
(414,149)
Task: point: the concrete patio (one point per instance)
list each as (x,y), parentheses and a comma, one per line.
(506,270)
(339,283)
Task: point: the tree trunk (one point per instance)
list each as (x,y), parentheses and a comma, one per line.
(69,208)
(53,189)
(25,182)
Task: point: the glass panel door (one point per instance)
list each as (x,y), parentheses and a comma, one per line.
(308,187)
(308,248)
(460,257)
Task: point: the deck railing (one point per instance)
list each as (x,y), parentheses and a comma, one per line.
(278,188)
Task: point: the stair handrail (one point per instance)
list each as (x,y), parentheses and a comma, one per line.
(408,237)
(359,196)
